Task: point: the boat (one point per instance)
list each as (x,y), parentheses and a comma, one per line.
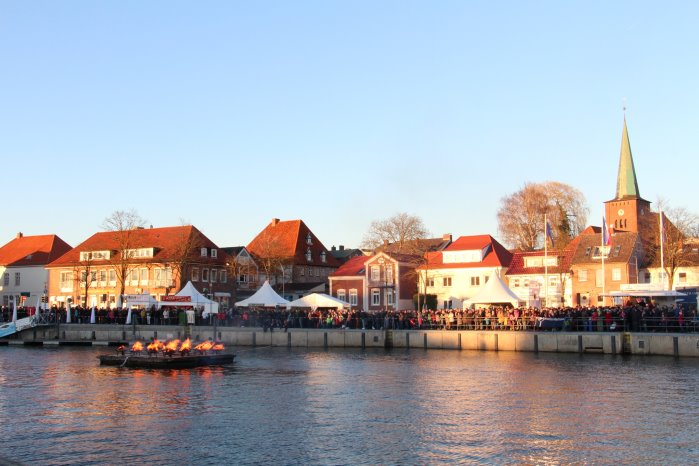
(166,362)
(168,355)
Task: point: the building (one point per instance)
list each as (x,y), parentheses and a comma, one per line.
(292,258)
(22,267)
(156,261)
(380,282)
(457,272)
(244,272)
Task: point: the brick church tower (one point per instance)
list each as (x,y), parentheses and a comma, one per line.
(628,211)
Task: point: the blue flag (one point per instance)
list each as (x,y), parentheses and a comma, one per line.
(549,232)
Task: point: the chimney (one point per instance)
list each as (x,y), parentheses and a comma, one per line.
(342,247)
(275,221)
(19,235)
(333,248)
(446,237)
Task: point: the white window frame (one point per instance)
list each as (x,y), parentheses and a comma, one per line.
(375,297)
(341,295)
(195,274)
(353,296)
(616,274)
(375,273)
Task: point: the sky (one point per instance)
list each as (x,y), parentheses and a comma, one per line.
(226,114)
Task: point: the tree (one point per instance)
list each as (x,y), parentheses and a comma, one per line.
(185,252)
(521,215)
(237,265)
(123,224)
(679,229)
(402,231)
(271,256)
(85,275)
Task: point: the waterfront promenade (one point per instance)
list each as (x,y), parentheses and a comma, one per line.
(608,342)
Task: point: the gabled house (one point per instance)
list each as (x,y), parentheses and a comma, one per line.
(157,261)
(457,272)
(22,267)
(380,282)
(244,272)
(292,258)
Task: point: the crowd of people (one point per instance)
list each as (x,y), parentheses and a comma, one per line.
(637,317)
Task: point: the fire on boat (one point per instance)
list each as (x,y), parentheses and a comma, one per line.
(169,354)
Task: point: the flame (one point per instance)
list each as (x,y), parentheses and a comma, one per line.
(218,347)
(137,347)
(171,346)
(155,346)
(205,346)
(186,345)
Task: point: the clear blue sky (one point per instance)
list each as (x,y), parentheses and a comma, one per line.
(225,114)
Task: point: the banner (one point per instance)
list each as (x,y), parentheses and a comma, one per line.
(177,299)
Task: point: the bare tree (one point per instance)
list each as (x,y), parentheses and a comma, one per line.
(269,253)
(235,267)
(521,214)
(401,230)
(123,224)
(185,252)
(85,275)
(679,230)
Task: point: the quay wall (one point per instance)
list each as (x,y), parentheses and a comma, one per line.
(666,344)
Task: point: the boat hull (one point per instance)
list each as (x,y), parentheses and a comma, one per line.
(166,362)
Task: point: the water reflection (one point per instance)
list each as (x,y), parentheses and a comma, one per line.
(350,407)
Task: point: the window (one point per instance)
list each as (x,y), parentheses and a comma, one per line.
(195,274)
(515,283)
(65,280)
(353,297)
(375,297)
(375,273)
(144,276)
(309,239)
(323,257)
(682,277)
(475,281)
(203,252)
(6,279)
(303,271)
(430,281)
(616,274)
(446,281)
(112,277)
(309,256)
(647,275)
(17,278)
(223,276)
(389,297)
(214,253)
(582,275)
(587,251)
(214,275)
(553,280)
(242,278)
(616,251)
(389,274)
(103,276)
(205,275)
(341,294)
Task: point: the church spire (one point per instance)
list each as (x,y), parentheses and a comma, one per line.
(626,184)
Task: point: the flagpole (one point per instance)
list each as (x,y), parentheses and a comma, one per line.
(546,267)
(662,258)
(602,251)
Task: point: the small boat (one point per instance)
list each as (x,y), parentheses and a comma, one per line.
(166,362)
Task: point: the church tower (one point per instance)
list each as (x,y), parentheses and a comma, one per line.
(628,211)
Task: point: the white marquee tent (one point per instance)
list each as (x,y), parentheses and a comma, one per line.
(316,300)
(494,292)
(196,300)
(264,297)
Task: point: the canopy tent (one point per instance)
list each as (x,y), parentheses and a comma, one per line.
(264,297)
(494,292)
(196,299)
(316,300)
(144,299)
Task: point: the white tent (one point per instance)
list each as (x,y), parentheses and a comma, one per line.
(316,300)
(494,292)
(265,297)
(196,300)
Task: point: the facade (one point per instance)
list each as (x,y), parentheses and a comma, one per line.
(292,258)
(155,261)
(458,272)
(381,282)
(244,272)
(22,263)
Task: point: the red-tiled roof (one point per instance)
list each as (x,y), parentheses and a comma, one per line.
(496,256)
(287,240)
(32,250)
(353,267)
(168,242)
(565,258)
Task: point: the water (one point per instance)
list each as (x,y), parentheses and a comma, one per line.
(279,406)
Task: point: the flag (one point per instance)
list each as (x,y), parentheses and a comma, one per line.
(606,233)
(549,232)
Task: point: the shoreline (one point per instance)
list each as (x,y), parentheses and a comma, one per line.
(631,343)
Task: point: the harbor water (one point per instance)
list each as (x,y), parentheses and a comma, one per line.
(299,406)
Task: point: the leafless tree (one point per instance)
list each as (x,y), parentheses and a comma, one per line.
(85,275)
(235,267)
(123,225)
(185,253)
(401,230)
(270,255)
(521,215)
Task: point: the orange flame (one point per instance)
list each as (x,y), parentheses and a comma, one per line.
(218,347)
(186,345)
(205,346)
(171,346)
(137,347)
(155,346)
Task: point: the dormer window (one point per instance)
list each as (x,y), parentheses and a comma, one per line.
(309,256)
(323,256)
(214,253)
(309,239)
(203,252)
